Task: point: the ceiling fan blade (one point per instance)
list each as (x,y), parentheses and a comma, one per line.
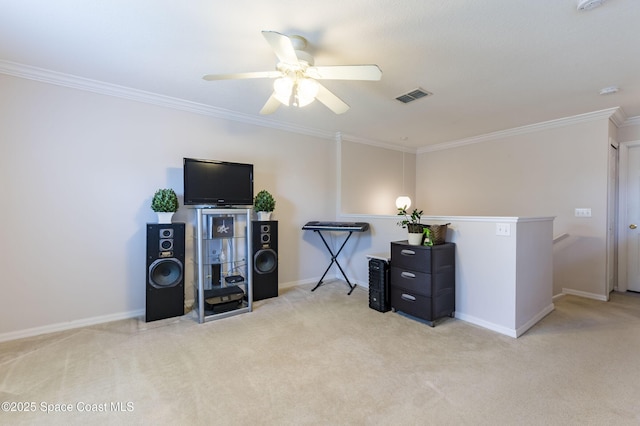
(271,106)
(345,72)
(330,100)
(282,46)
(243,75)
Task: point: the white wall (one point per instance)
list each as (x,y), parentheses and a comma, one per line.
(372,177)
(546,172)
(78,171)
(629,133)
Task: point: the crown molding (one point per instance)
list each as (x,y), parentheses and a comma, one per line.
(71,81)
(379,144)
(551,124)
(631,121)
(618,118)
(29,72)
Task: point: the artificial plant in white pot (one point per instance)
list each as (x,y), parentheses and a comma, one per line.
(165,204)
(264,204)
(413,225)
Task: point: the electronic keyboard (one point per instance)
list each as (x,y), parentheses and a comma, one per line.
(336,226)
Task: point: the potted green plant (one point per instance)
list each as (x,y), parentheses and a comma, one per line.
(165,204)
(413,225)
(264,204)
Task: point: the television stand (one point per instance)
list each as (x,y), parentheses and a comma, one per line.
(223,283)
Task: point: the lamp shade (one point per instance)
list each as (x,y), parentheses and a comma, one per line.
(403,201)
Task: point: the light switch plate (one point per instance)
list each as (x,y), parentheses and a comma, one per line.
(583,212)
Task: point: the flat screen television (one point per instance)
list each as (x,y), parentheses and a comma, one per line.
(217,183)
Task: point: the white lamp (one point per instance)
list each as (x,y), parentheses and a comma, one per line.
(403,201)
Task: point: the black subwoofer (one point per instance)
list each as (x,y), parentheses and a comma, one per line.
(165,271)
(264,255)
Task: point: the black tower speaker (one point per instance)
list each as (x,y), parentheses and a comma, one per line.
(264,255)
(165,271)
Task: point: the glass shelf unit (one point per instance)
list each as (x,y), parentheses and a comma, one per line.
(224,279)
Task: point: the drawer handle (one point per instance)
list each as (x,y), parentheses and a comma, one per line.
(408,252)
(405,274)
(408,297)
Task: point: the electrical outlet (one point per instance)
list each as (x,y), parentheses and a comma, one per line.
(503,229)
(584,212)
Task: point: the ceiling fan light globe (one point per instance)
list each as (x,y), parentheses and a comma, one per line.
(302,101)
(308,87)
(282,88)
(306,91)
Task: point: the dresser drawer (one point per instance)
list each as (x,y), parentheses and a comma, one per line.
(416,258)
(417,282)
(411,303)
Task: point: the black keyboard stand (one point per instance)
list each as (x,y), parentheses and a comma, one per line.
(334,259)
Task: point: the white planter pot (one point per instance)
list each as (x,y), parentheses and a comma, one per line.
(164,217)
(264,216)
(415,239)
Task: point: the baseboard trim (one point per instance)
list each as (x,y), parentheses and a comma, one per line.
(511,332)
(533,321)
(63,326)
(486,324)
(588,295)
(315,281)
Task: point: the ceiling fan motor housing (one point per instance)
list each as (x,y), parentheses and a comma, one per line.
(304,56)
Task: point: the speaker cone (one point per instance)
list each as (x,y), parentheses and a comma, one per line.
(165,273)
(265,261)
(166,233)
(166,244)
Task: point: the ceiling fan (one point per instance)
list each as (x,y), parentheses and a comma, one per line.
(296,76)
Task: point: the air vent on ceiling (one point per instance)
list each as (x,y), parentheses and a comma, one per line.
(413,95)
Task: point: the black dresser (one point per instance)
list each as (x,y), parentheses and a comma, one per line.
(422,280)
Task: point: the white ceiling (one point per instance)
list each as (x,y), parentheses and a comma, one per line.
(491,64)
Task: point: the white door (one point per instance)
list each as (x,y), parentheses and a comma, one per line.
(632,225)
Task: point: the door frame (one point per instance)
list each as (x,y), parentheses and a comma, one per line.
(623,168)
(613,194)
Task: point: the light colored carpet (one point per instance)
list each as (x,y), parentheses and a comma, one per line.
(326,358)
